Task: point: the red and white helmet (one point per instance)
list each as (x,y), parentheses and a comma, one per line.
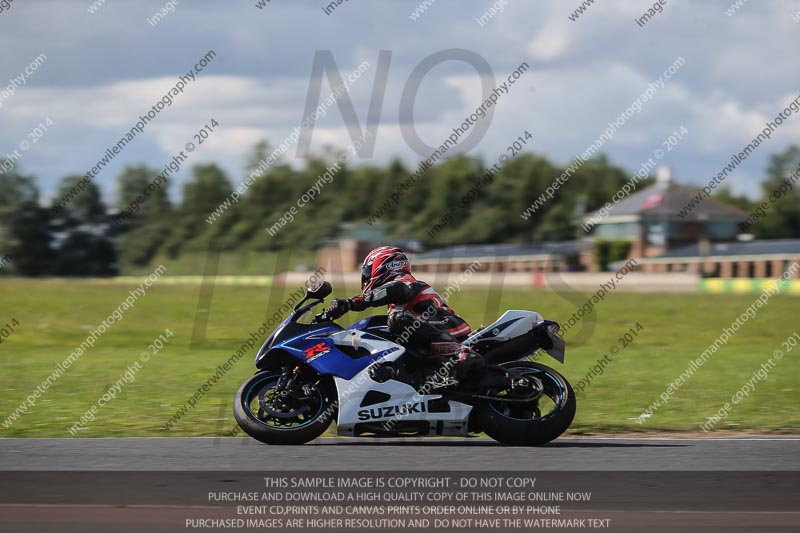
(382,265)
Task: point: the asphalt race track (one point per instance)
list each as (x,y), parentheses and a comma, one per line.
(578,454)
(163,484)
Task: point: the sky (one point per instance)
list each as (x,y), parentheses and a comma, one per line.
(103,69)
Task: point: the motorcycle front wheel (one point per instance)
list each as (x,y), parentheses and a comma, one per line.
(271,413)
(530,423)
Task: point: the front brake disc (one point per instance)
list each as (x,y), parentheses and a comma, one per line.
(277,406)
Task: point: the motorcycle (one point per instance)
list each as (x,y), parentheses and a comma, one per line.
(312,371)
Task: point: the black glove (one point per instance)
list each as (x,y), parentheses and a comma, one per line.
(338,307)
(357,303)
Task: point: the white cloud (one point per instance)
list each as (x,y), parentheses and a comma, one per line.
(103,71)
(550,42)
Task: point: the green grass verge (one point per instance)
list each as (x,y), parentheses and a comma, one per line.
(55,316)
(245,263)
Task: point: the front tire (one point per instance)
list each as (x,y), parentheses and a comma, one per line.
(273,417)
(526,425)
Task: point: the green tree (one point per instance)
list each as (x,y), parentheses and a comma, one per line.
(86,206)
(83,245)
(144,231)
(24,226)
(782,220)
(725,195)
(202,195)
(140,182)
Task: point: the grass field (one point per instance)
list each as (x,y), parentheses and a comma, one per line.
(54,316)
(229,263)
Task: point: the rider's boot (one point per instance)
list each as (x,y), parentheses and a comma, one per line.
(459,370)
(468,365)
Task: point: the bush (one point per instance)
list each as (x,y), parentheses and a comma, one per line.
(608,251)
(602,251)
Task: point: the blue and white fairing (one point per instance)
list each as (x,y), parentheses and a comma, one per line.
(314,346)
(394,402)
(346,355)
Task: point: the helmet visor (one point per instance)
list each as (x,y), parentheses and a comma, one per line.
(366,274)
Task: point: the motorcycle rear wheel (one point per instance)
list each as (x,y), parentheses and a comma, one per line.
(274,418)
(525,425)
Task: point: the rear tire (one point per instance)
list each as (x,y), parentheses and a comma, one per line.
(502,424)
(317,412)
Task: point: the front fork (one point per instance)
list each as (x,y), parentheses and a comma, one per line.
(287,379)
(286,384)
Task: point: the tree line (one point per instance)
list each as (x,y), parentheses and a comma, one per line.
(93,236)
